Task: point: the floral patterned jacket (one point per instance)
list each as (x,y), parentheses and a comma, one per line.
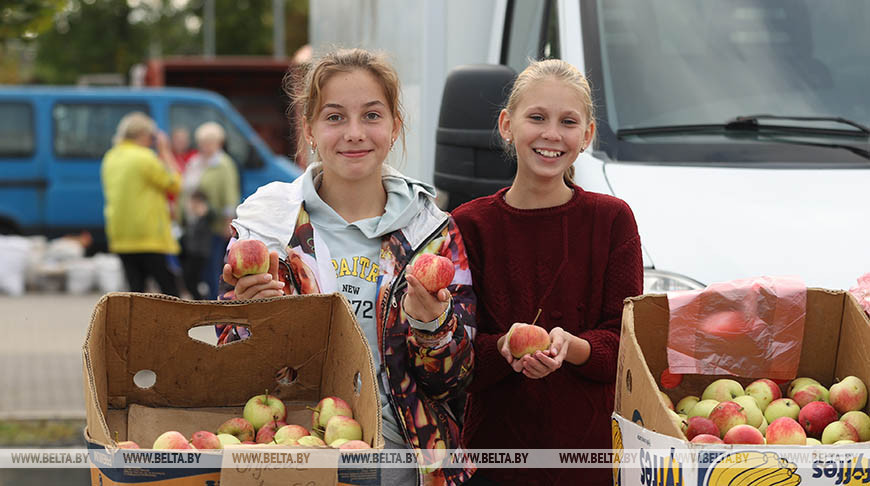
(424,370)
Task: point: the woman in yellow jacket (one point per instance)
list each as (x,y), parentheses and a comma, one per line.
(136,182)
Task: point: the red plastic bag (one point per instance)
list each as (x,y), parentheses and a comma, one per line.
(750,328)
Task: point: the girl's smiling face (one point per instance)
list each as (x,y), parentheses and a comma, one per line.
(354,129)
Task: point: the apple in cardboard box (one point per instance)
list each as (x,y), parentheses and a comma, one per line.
(754,415)
(727,415)
(289,433)
(205,440)
(799,383)
(848,394)
(248,257)
(227,439)
(763,391)
(266,434)
(722,390)
(525,339)
(434,272)
(810,393)
(707,439)
(354,444)
(237,427)
(815,416)
(786,431)
(325,409)
(262,409)
(860,421)
(703,408)
(701,425)
(743,434)
(686,403)
(838,431)
(341,427)
(310,441)
(782,407)
(171,440)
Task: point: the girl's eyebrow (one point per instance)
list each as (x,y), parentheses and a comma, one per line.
(366,105)
(541,108)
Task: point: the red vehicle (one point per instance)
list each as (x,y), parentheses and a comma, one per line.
(252,84)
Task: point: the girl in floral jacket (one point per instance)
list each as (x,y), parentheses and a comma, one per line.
(352,224)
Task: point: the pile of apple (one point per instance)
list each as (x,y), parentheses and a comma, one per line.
(263,422)
(808,414)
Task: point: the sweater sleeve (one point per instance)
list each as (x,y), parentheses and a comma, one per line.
(442,360)
(623,278)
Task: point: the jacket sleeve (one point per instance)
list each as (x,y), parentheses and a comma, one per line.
(230,191)
(442,360)
(623,278)
(158,175)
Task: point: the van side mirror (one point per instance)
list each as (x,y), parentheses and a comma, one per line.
(470,160)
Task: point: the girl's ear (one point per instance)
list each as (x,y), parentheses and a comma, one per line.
(307,132)
(589,135)
(504,124)
(397,127)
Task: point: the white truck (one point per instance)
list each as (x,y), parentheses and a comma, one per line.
(736,130)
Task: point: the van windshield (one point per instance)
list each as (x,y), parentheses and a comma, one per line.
(686,62)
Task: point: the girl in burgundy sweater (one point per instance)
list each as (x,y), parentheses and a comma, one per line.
(546,244)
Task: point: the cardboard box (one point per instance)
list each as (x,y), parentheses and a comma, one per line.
(836,344)
(199,385)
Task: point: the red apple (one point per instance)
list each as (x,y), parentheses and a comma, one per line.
(763,391)
(707,439)
(248,257)
(127,444)
(237,427)
(434,272)
(267,432)
(810,393)
(262,409)
(205,440)
(860,421)
(745,434)
(848,394)
(815,416)
(701,425)
(786,431)
(525,339)
(171,440)
(727,415)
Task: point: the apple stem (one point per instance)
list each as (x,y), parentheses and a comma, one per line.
(116,436)
(312,409)
(536,316)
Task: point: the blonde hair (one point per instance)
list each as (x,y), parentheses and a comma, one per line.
(306,90)
(209,131)
(560,71)
(133,125)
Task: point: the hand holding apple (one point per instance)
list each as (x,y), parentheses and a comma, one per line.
(434,272)
(421,304)
(248,257)
(255,286)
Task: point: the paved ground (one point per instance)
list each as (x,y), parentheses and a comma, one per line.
(40,355)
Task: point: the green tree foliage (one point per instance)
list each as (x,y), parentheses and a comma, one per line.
(95,36)
(26,18)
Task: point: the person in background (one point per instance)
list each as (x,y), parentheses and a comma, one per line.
(352,224)
(196,241)
(212,172)
(136,182)
(181,148)
(545,246)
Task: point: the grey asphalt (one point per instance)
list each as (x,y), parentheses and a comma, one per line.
(41,337)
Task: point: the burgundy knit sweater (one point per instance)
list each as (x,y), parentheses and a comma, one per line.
(576,262)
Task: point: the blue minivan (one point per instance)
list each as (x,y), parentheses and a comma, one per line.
(52,141)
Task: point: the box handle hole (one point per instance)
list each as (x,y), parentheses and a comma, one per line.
(209,334)
(144,379)
(286,375)
(357,383)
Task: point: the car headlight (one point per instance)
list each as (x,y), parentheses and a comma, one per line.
(660,281)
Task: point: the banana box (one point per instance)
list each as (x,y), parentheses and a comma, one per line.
(649,447)
(147,370)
